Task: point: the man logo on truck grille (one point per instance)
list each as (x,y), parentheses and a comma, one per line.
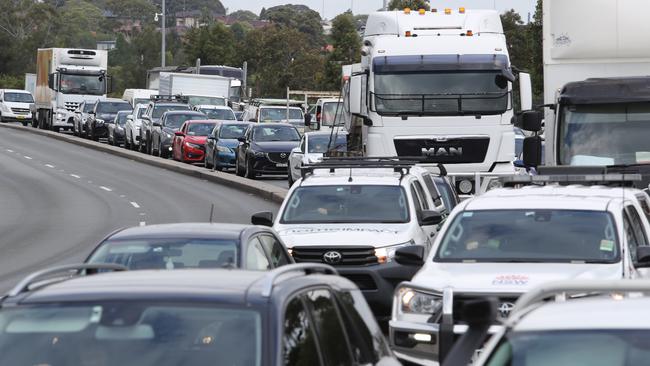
(332,257)
(442,151)
(505,308)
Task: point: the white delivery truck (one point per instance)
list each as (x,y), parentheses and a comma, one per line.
(200,89)
(596,87)
(65,77)
(437,85)
(138,96)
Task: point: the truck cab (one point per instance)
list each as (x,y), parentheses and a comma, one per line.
(437,85)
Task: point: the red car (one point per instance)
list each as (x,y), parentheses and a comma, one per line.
(189,142)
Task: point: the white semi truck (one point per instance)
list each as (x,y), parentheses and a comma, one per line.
(64,78)
(596,87)
(437,85)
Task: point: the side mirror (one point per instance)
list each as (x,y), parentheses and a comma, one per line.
(525,91)
(357,95)
(314,126)
(642,257)
(129,117)
(92,113)
(252,120)
(430,218)
(296,150)
(179,134)
(241,139)
(157,124)
(51,81)
(519,163)
(308,120)
(412,255)
(530,121)
(532,151)
(262,218)
(479,315)
(210,137)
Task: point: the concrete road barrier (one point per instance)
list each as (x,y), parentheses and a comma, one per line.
(260,189)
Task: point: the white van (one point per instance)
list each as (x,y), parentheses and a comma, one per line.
(16,106)
(138,96)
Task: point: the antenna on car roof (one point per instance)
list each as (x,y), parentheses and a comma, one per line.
(211,212)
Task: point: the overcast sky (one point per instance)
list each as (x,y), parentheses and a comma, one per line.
(335,7)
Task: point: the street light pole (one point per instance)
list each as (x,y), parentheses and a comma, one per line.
(164,33)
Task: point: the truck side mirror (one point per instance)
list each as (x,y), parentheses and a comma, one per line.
(525,91)
(357,94)
(532,151)
(529,121)
(314,126)
(51,81)
(307,119)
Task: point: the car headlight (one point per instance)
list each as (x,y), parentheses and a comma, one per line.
(387,254)
(312,160)
(168,135)
(60,115)
(193,146)
(224,149)
(417,306)
(258,153)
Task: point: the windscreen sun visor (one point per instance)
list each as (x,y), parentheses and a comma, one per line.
(607,90)
(441,63)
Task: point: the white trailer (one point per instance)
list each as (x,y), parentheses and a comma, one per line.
(65,77)
(437,85)
(201,89)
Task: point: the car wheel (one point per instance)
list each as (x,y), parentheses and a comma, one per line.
(250,172)
(163,153)
(24,123)
(207,163)
(127,145)
(290,179)
(238,170)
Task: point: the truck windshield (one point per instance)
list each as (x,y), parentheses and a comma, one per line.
(130,333)
(198,100)
(530,236)
(441,93)
(604,134)
(347,204)
(573,347)
(18,97)
(82,84)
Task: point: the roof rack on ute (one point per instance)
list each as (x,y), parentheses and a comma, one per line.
(170,98)
(616,180)
(562,288)
(60,273)
(400,165)
(307,268)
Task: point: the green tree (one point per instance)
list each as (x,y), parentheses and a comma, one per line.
(80,24)
(516,38)
(347,45)
(243,15)
(411,4)
(298,17)
(536,62)
(132,9)
(213,44)
(239,30)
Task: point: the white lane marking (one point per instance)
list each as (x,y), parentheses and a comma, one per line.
(49,165)
(106,189)
(9,150)
(142,214)
(75,176)
(122,196)
(27,157)
(135,204)
(142,223)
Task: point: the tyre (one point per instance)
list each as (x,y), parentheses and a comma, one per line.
(207,163)
(250,172)
(163,153)
(127,145)
(290,179)
(25,123)
(238,170)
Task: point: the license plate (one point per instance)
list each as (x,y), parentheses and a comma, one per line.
(282,165)
(20,117)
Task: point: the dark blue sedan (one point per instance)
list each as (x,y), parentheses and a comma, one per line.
(221,147)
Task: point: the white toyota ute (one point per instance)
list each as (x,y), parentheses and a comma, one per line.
(354,215)
(505,242)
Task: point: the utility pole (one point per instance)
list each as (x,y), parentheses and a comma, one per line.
(164,34)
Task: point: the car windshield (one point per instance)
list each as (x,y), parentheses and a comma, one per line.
(529,235)
(129,333)
(604,134)
(141,112)
(200,129)
(323,143)
(347,204)
(82,84)
(88,107)
(121,118)
(280,114)
(168,253)
(593,347)
(18,97)
(275,133)
(232,131)
(112,107)
(198,100)
(158,110)
(177,120)
(332,114)
(222,114)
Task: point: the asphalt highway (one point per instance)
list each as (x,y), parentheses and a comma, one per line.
(57,200)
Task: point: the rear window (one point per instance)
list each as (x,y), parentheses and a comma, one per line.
(232,131)
(113,107)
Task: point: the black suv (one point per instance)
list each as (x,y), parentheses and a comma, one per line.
(301,314)
(102,114)
(265,149)
(158,105)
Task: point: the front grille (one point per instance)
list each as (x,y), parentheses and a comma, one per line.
(349,256)
(462,150)
(71,106)
(20,110)
(363,281)
(504,305)
(278,157)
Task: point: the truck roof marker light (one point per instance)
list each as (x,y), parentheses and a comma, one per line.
(422,11)
(407,10)
(447,11)
(407,34)
(470,33)
(461,10)
(434,10)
